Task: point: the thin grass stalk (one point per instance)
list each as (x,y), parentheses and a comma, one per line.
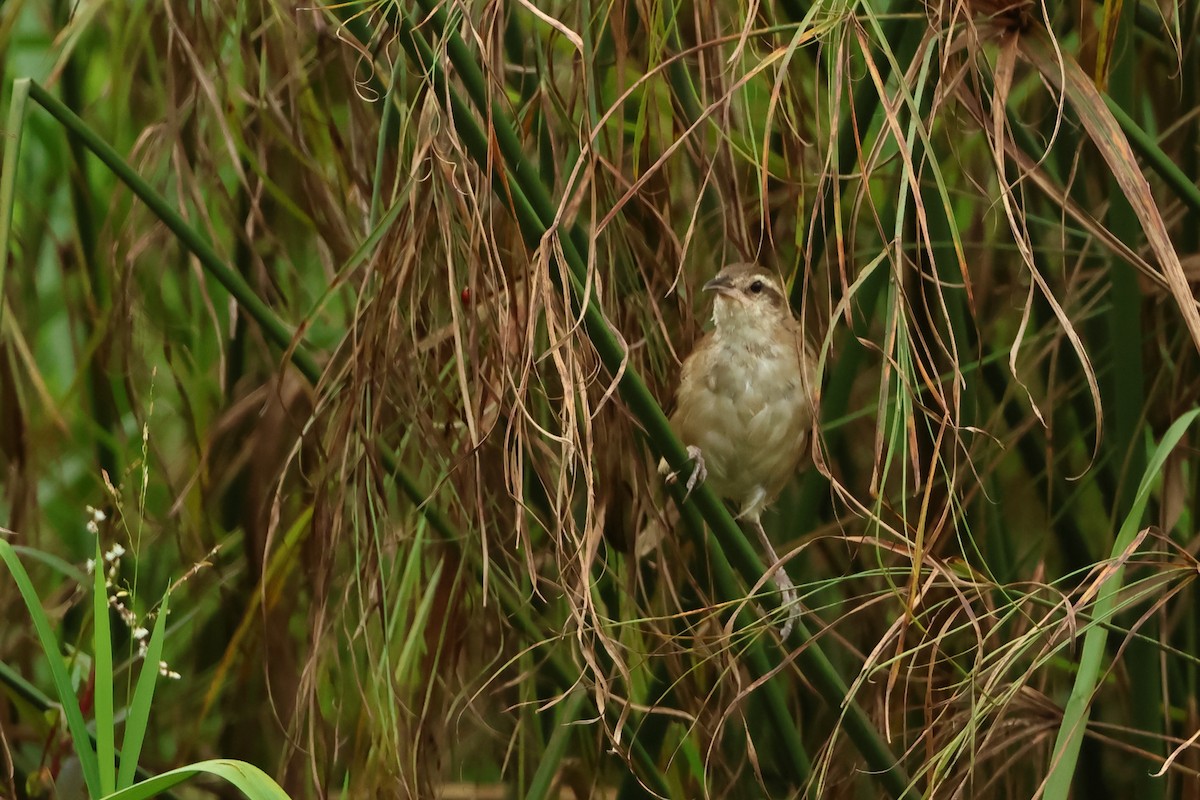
(388,140)
(20,688)
(1124,315)
(238,345)
(730,540)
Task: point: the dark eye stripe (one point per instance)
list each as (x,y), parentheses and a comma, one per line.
(766,289)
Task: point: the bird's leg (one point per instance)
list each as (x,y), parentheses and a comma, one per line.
(787,589)
(699,471)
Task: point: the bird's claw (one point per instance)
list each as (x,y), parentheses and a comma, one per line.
(788,600)
(699,471)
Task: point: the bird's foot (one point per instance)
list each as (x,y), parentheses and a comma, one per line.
(699,471)
(788,600)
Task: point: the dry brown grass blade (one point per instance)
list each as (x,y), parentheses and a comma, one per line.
(1066,75)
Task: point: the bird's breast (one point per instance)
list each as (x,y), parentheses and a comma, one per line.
(744,402)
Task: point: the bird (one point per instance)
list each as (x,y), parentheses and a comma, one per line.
(745,403)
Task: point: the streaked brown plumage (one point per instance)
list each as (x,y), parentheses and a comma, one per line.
(744,405)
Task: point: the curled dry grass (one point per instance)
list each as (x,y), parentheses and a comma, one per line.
(934,186)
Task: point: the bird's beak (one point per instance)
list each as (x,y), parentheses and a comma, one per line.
(720,284)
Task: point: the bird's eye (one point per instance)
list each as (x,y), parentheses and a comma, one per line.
(756,287)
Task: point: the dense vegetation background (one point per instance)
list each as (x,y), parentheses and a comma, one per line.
(351,325)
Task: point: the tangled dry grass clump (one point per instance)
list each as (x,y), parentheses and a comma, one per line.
(415,388)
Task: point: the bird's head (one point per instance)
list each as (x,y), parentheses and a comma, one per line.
(748,296)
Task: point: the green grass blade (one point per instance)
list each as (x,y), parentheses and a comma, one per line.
(406,663)
(8,177)
(247,778)
(1075,715)
(138,717)
(102,663)
(542,784)
(62,681)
